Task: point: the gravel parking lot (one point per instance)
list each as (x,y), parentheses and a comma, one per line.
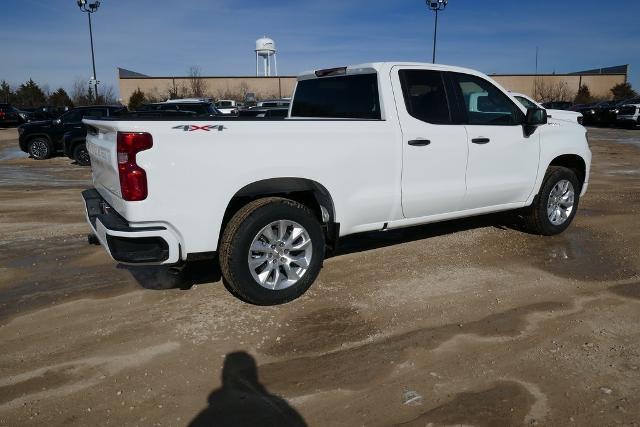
(467,322)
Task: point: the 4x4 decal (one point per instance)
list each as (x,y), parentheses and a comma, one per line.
(191,128)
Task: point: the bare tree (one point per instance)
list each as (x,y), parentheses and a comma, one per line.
(107,95)
(81,92)
(196,82)
(546,92)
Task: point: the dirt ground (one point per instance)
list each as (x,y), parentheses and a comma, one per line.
(467,322)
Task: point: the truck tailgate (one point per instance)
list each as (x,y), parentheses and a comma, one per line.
(102,147)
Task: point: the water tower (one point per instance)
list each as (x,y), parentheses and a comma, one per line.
(265,49)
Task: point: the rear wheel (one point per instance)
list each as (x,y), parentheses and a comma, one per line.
(271,251)
(40,148)
(555,206)
(81,155)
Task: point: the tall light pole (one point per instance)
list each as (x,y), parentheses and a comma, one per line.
(436,6)
(90,8)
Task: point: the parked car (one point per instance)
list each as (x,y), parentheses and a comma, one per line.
(227,107)
(42,139)
(629,114)
(605,112)
(588,112)
(527,102)
(264,112)
(274,103)
(557,105)
(198,107)
(47,112)
(9,115)
(368,147)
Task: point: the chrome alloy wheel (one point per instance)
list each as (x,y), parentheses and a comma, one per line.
(39,149)
(280,254)
(560,203)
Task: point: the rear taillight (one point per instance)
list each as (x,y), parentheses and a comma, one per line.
(133,179)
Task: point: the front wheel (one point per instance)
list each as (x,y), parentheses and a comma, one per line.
(555,206)
(271,251)
(81,155)
(40,148)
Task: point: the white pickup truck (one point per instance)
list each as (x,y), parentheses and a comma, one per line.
(367,147)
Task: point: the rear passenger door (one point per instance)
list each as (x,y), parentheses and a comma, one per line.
(503,162)
(434,146)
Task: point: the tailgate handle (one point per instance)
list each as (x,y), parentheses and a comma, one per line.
(419,142)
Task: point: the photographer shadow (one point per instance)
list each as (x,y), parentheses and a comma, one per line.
(243,401)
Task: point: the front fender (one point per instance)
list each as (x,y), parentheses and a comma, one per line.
(560,138)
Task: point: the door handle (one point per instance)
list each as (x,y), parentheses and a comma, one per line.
(419,142)
(480,140)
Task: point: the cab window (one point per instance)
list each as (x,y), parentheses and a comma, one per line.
(485,104)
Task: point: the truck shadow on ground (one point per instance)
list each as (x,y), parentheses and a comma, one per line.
(208,271)
(243,401)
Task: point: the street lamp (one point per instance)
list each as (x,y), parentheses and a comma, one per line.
(436,6)
(90,8)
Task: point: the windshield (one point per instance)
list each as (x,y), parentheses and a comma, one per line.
(525,102)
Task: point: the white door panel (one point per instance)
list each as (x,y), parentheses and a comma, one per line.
(502,170)
(503,162)
(434,155)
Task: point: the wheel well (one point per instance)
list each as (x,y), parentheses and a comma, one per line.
(573,162)
(310,193)
(39,135)
(74,143)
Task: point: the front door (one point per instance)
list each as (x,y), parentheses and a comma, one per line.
(434,148)
(503,162)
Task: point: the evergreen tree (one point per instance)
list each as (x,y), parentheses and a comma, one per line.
(6,94)
(29,94)
(623,91)
(136,100)
(584,95)
(60,98)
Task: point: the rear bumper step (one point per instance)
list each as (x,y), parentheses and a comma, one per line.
(124,242)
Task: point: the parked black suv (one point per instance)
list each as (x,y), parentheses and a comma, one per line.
(42,139)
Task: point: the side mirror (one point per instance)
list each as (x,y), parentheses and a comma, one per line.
(535,117)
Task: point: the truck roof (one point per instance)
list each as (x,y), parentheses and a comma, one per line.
(371,67)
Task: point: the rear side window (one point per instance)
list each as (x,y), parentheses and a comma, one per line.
(425,96)
(344,97)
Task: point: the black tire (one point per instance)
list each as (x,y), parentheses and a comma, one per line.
(81,155)
(535,216)
(239,234)
(39,148)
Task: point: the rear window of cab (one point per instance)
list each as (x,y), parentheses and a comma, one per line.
(343,97)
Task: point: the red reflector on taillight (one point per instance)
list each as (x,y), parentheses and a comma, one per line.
(133,179)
